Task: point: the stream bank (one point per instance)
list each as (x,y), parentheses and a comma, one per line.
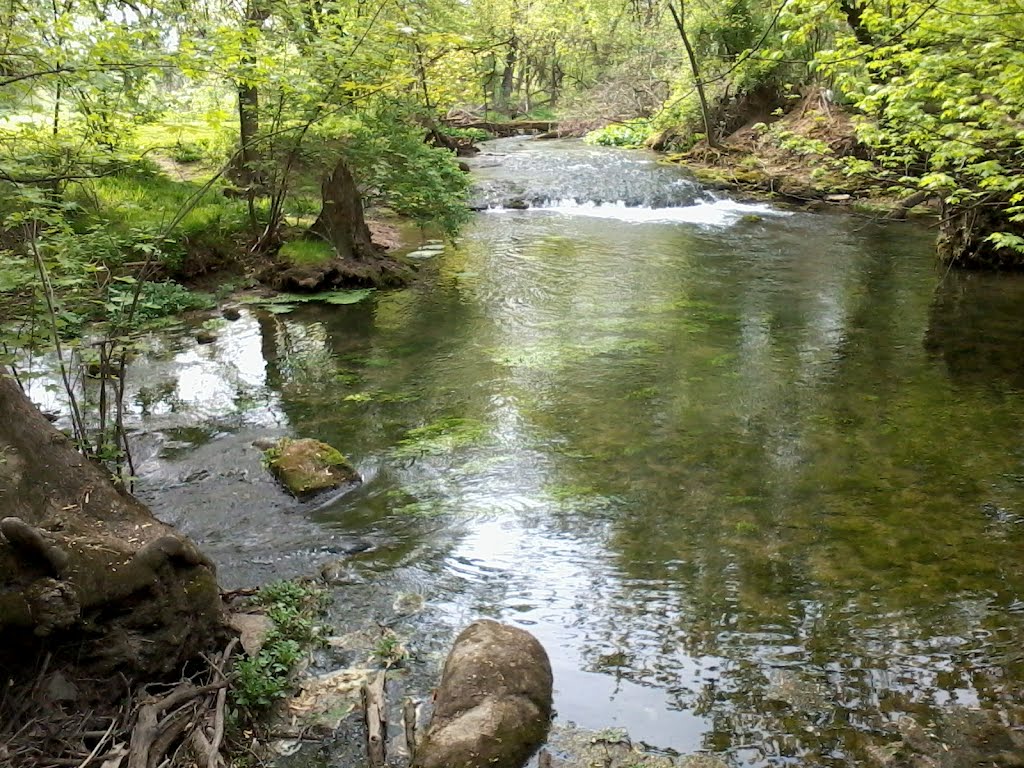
(797,157)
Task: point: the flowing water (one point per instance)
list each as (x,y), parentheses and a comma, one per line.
(755,478)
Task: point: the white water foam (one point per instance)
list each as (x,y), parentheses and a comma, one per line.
(717,213)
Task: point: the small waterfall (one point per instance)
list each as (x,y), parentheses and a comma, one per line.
(572,178)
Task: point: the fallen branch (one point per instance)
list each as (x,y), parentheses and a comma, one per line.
(376,723)
(214,759)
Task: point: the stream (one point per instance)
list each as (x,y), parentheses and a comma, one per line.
(754,477)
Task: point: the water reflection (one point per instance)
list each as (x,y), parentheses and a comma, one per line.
(758,489)
(977,329)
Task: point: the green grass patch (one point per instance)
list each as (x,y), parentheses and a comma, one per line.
(188,141)
(262,680)
(302,252)
(138,208)
(144,200)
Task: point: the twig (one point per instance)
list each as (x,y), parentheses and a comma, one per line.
(231,594)
(44,279)
(218,717)
(148,729)
(171,727)
(99,744)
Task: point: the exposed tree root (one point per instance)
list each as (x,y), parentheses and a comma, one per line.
(46,726)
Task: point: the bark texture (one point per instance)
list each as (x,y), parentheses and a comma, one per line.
(86,572)
(342,222)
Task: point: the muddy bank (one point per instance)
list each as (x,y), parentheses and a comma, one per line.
(799,158)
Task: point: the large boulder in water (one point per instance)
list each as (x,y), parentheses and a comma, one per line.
(307,466)
(493,707)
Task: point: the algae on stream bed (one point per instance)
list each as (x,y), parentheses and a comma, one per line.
(758,487)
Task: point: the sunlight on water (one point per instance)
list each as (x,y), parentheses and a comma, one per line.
(754,477)
(719,213)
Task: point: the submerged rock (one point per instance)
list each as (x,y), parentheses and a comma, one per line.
(307,466)
(493,707)
(570,746)
(958,737)
(204,336)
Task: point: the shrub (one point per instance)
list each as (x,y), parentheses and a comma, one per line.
(632,133)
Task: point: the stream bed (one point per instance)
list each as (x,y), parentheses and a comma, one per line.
(754,477)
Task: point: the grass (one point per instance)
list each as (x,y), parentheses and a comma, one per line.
(138,207)
(207,142)
(307,252)
(150,200)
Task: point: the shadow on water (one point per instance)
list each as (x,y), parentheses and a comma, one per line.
(756,484)
(977,328)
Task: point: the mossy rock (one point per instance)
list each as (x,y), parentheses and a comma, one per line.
(306,467)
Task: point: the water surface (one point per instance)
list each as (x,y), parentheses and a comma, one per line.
(754,477)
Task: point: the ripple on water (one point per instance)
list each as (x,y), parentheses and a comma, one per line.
(755,487)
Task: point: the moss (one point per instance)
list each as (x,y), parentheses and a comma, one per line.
(307,466)
(730,176)
(307,252)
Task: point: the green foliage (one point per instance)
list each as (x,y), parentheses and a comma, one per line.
(389,650)
(155,299)
(401,172)
(473,134)
(187,152)
(797,144)
(262,680)
(937,119)
(632,133)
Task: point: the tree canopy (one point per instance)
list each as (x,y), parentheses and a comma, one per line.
(263,91)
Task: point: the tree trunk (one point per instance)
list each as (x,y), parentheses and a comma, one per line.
(86,572)
(247,173)
(504,99)
(342,222)
(557,76)
(679,18)
(357,260)
(854,17)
